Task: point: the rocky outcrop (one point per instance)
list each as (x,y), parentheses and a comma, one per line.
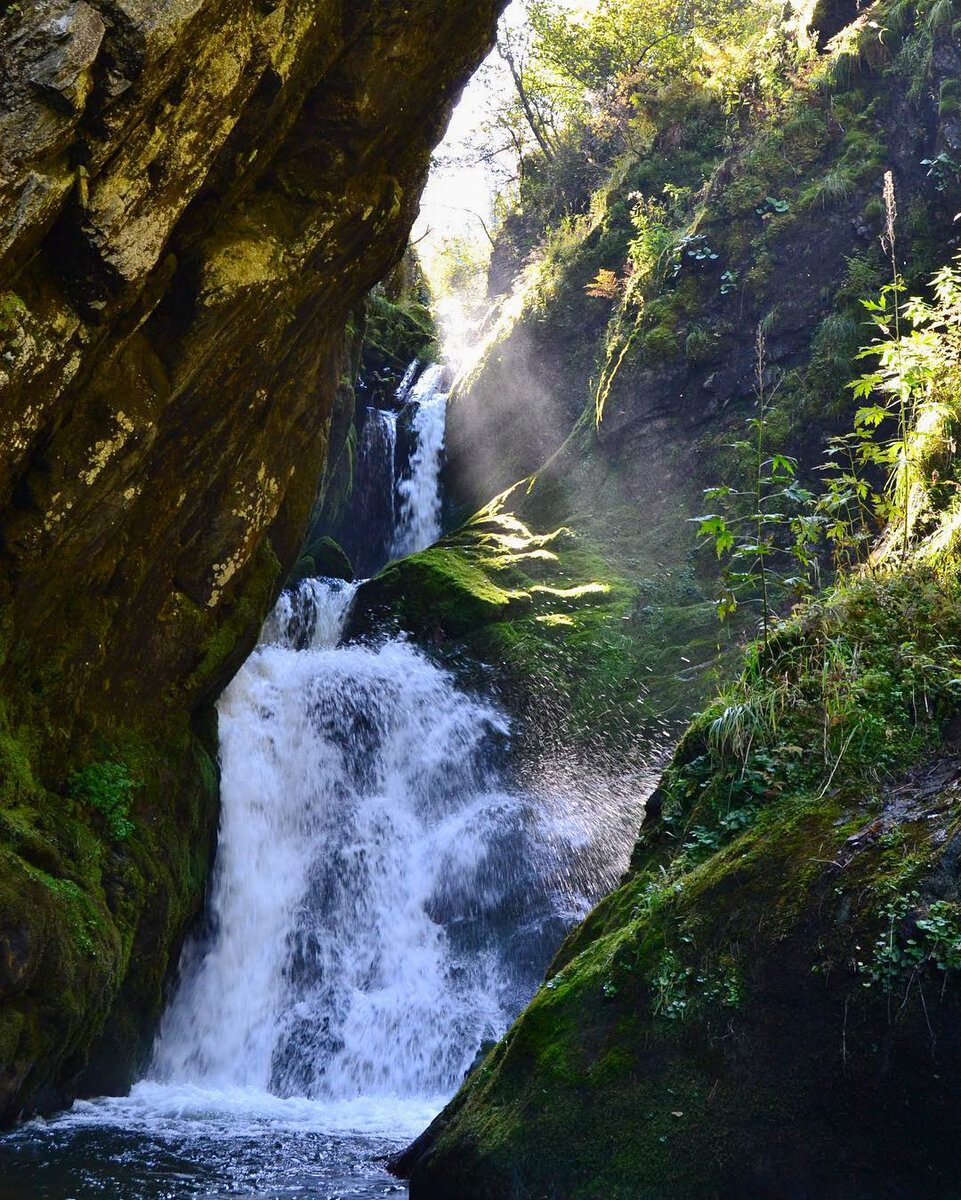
(767,1006)
(193,196)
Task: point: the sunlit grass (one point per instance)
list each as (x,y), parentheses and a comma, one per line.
(573,593)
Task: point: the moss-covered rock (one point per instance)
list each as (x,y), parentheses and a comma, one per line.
(558,623)
(769,1004)
(105,844)
(322,559)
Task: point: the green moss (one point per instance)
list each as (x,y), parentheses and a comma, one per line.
(778,899)
(660,343)
(700,344)
(74,904)
(106,788)
(580,645)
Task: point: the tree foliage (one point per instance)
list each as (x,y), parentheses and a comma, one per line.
(623,39)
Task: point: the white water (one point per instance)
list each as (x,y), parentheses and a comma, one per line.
(357,802)
(419,523)
(382,903)
(395,505)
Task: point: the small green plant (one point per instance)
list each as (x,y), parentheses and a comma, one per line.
(652,235)
(767,524)
(729,282)
(832,188)
(771,208)
(107,788)
(670,983)
(944,170)
(693,246)
(896,957)
(700,344)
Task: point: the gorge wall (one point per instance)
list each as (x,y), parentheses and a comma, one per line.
(617,407)
(194,197)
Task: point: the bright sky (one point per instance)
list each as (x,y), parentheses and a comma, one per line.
(453,192)
(452,189)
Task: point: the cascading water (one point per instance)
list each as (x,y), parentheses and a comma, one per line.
(371,868)
(384,901)
(420,498)
(395,503)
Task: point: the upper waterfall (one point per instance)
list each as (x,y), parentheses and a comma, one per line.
(420,496)
(394,504)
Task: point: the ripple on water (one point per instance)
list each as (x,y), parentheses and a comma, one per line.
(165,1143)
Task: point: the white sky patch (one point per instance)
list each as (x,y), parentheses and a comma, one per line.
(460,190)
(455,185)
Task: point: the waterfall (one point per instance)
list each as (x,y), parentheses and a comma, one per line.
(383,903)
(395,502)
(419,523)
(384,900)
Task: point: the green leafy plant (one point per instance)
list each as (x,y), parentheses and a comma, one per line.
(911,943)
(913,392)
(729,282)
(670,984)
(107,788)
(771,208)
(764,534)
(695,247)
(944,170)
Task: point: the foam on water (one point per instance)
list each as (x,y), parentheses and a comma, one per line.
(197,1112)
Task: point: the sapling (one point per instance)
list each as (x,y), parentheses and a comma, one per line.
(776,525)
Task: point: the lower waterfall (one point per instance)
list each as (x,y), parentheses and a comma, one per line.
(383,903)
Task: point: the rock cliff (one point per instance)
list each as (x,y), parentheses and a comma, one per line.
(194,195)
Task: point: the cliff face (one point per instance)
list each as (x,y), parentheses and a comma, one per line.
(193,196)
(618,405)
(764,1007)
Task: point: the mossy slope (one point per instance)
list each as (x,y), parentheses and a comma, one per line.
(619,405)
(563,631)
(769,1005)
